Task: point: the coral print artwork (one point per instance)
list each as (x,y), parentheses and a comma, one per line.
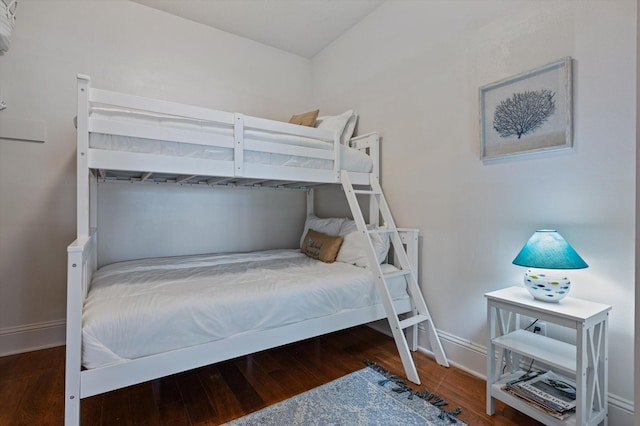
(528,113)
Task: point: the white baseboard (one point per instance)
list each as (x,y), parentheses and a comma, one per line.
(620,411)
(31,337)
(472,358)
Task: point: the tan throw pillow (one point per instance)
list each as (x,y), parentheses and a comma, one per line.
(306,119)
(321,246)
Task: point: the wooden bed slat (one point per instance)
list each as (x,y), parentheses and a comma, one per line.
(182,179)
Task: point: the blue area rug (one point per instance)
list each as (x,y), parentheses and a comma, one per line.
(370,396)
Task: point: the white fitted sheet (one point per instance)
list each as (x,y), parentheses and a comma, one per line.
(144,307)
(352,160)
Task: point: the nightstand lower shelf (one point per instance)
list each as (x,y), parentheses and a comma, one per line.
(498,393)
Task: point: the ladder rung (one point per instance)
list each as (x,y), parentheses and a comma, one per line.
(382,231)
(366,192)
(416,319)
(397,273)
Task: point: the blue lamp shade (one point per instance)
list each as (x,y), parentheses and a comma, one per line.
(546,249)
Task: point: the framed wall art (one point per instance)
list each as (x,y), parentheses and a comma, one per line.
(527,113)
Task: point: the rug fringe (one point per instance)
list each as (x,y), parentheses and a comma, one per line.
(402,387)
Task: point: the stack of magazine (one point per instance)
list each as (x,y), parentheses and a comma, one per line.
(548,391)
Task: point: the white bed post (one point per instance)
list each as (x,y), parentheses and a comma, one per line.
(336,156)
(82,154)
(238,145)
(93,203)
(75,276)
(310,202)
(76,273)
(374,153)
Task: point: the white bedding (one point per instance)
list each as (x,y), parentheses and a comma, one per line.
(149,306)
(351,159)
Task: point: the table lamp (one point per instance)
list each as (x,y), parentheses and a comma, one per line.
(547,250)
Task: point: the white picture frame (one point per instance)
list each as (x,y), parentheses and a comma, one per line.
(527,113)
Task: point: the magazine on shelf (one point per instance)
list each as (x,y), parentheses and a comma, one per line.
(558,415)
(553,388)
(548,391)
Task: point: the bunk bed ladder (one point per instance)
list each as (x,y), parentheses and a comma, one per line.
(419,313)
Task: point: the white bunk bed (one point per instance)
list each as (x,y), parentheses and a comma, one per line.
(124,137)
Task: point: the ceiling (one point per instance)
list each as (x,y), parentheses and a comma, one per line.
(302,27)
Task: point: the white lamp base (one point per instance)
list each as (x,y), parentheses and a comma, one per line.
(545,286)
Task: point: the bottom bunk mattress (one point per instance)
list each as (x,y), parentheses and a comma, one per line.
(145,307)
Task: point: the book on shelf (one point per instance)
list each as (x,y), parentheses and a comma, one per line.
(551,392)
(556,414)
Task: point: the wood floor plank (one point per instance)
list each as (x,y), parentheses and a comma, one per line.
(40,360)
(144,410)
(116,409)
(91,410)
(55,399)
(195,399)
(246,395)
(34,407)
(332,357)
(266,360)
(11,393)
(31,385)
(7,367)
(165,391)
(174,414)
(269,389)
(294,374)
(323,362)
(221,397)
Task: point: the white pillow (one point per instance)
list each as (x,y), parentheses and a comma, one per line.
(348,226)
(354,246)
(344,124)
(349,128)
(330,226)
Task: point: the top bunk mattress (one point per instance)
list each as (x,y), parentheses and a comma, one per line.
(352,159)
(145,307)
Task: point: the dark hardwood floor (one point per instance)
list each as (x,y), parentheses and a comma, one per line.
(32,385)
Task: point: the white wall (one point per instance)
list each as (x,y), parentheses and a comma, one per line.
(131,48)
(187,220)
(412,70)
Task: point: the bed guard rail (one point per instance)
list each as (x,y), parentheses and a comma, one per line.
(236,138)
(81,263)
(369,143)
(409,237)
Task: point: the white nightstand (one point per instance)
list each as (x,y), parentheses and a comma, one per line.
(586,360)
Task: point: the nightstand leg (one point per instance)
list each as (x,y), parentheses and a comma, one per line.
(491,358)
